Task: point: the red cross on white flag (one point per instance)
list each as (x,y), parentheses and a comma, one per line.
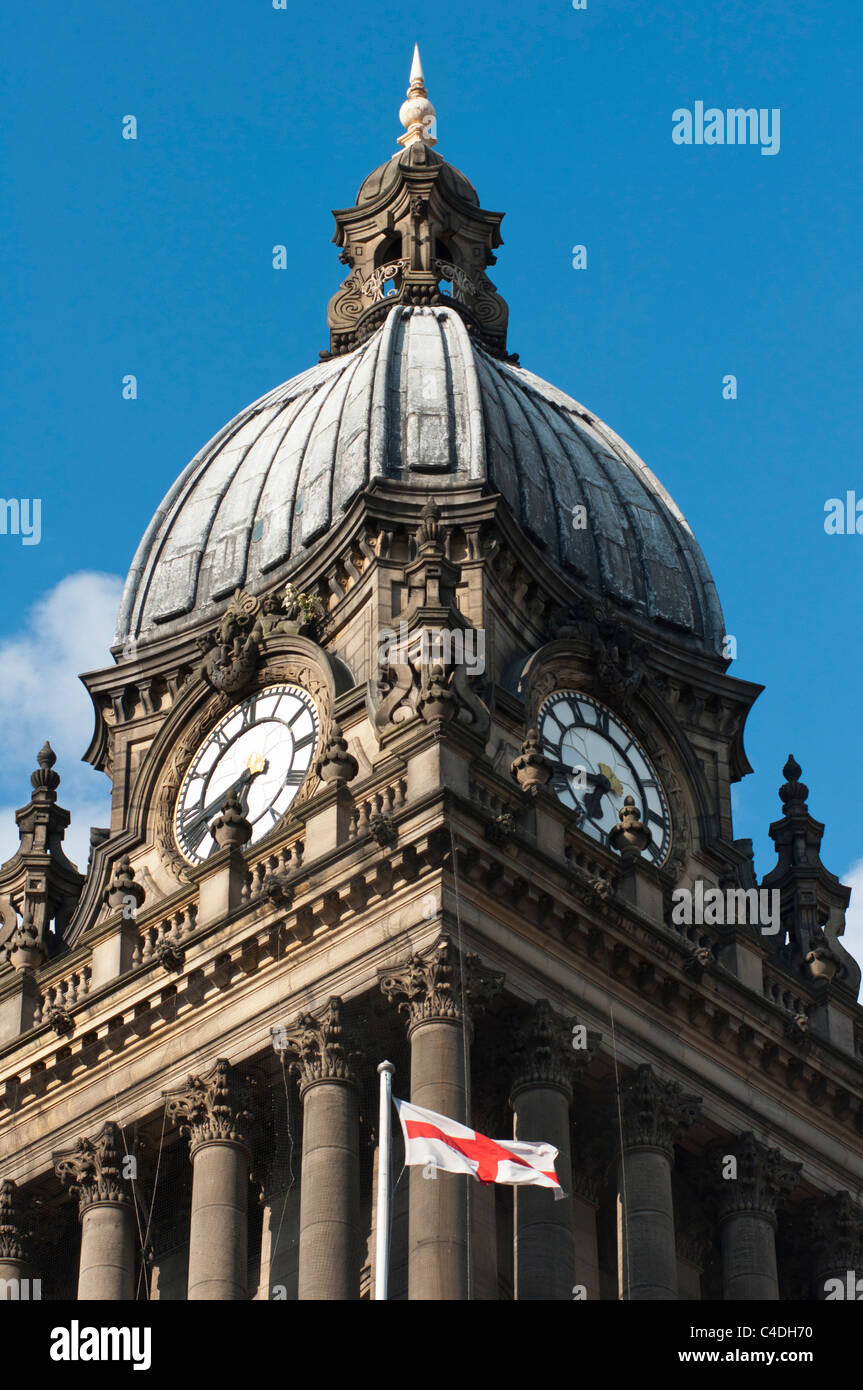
(453,1148)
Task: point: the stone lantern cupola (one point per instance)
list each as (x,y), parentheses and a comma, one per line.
(416,226)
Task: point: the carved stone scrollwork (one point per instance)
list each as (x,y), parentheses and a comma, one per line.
(439,984)
(16,1227)
(211,1108)
(655,1111)
(93,1169)
(318,1045)
(763,1178)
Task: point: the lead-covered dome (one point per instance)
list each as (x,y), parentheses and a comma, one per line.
(420,401)
(418,385)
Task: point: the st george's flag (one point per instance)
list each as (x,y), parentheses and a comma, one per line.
(454,1148)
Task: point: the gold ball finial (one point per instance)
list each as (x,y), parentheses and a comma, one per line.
(417,113)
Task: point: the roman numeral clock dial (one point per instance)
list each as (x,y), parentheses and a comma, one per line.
(597,763)
(262,750)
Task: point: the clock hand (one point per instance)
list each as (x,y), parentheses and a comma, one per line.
(593,800)
(195,827)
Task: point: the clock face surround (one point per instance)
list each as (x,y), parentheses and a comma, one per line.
(262,749)
(597,763)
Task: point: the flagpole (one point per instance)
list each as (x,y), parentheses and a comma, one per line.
(382,1242)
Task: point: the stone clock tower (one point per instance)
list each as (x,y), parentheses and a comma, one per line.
(421,742)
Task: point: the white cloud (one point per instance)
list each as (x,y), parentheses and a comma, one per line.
(67,631)
(852,939)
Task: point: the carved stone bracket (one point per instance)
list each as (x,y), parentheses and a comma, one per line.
(439,984)
(211,1108)
(93,1168)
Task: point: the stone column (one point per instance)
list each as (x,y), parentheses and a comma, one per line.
(654,1113)
(834,1235)
(15,1268)
(541,1096)
(439,992)
(211,1114)
(93,1171)
(594,1143)
(330,1184)
(749,1181)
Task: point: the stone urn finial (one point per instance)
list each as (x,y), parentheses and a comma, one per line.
(230,826)
(630,837)
(437,700)
(531,769)
(336,764)
(123,891)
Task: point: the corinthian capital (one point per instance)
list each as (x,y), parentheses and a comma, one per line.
(15,1223)
(93,1168)
(833,1230)
(318,1045)
(439,984)
(757,1180)
(655,1112)
(210,1108)
(547,1048)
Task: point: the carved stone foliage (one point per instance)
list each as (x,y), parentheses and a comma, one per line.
(318,1045)
(654,1111)
(547,1049)
(833,1231)
(93,1168)
(211,1107)
(15,1223)
(440,984)
(763,1178)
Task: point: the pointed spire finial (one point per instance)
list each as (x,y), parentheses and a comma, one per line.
(417,113)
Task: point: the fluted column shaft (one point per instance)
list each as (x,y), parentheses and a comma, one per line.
(93,1170)
(654,1111)
(209,1112)
(749,1180)
(218,1232)
(434,987)
(438,1222)
(544,1236)
(545,1058)
(329,1268)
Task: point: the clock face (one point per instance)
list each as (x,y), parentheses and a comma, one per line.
(597,763)
(262,750)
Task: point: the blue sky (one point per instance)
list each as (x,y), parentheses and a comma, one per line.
(154,257)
